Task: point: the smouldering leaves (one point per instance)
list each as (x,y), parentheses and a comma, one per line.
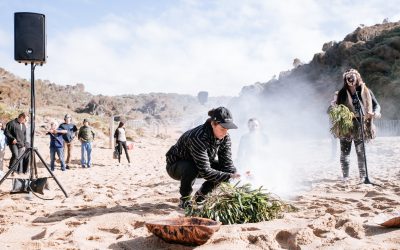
(234,204)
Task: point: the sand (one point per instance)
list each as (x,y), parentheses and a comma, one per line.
(108,205)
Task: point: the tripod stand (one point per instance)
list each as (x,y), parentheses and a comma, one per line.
(31,150)
(361,113)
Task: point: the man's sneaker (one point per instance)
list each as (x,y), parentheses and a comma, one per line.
(184,203)
(67,167)
(345,180)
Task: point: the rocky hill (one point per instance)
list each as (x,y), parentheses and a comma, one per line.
(374,51)
(146,111)
(15,95)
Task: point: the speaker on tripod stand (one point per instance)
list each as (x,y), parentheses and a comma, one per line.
(30,48)
(29,37)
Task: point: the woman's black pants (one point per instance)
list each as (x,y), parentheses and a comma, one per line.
(122,144)
(186,171)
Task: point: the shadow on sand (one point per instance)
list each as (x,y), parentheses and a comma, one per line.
(84,212)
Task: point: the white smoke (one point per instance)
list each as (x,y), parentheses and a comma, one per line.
(295,122)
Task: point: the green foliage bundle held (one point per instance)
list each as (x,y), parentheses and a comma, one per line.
(342,121)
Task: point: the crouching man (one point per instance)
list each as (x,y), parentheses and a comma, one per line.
(203,152)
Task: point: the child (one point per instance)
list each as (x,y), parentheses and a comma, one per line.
(56,145)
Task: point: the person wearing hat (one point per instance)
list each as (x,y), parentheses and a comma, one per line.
(68,136)
(203,152)
(356,96)
(86,136)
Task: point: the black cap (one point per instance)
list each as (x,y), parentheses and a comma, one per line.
(224,117)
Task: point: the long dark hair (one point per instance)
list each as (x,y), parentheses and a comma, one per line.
(342,95)
(211,113)
(120,125)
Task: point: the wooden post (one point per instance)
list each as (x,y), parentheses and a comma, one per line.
(111,132)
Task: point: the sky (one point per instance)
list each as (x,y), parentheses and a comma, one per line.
(182,46)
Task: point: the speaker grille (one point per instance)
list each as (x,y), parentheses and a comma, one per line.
(29,37)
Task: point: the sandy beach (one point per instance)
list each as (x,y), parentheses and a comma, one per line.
(108,205)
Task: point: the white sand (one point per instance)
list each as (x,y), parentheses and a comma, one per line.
(109,204)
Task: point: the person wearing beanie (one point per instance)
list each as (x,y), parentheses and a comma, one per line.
(357,97)
(203,152)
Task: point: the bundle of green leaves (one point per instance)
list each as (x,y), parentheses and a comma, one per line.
(342,121)
(234,204)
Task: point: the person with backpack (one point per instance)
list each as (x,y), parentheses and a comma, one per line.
(69,135)
(120,139)
(56,145)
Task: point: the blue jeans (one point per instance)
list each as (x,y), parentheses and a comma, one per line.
(86,147)
(60,153)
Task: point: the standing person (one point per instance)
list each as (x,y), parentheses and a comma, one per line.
(356,96)
(252,147)
(2,148)
(333,138)
(69,135)
(120,138)
(16,136)
(86,136)
(56,145)
(205,152)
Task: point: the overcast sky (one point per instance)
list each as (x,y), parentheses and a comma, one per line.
(182,46)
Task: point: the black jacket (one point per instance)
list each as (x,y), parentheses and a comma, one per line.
(200,145)
(16,130)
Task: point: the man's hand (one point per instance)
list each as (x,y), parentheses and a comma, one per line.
(235,176)
(14,141)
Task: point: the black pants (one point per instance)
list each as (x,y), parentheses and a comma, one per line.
(345,149)
(122,144)
(16,152)
(186,171)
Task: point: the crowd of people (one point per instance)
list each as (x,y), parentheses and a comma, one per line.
(62,137)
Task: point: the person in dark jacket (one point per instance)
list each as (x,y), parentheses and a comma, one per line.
(68,136)
(357,97)
(205,152)
(56,145)
(16,136)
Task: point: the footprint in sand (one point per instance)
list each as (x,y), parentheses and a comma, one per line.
(332,210)
(355,230)
(372,193)
(40,235)
(93,237)
(111,230)
(250,229)
(381,198)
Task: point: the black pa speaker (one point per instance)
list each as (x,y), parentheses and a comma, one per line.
(29,37)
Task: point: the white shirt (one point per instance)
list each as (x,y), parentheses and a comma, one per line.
(121,134)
